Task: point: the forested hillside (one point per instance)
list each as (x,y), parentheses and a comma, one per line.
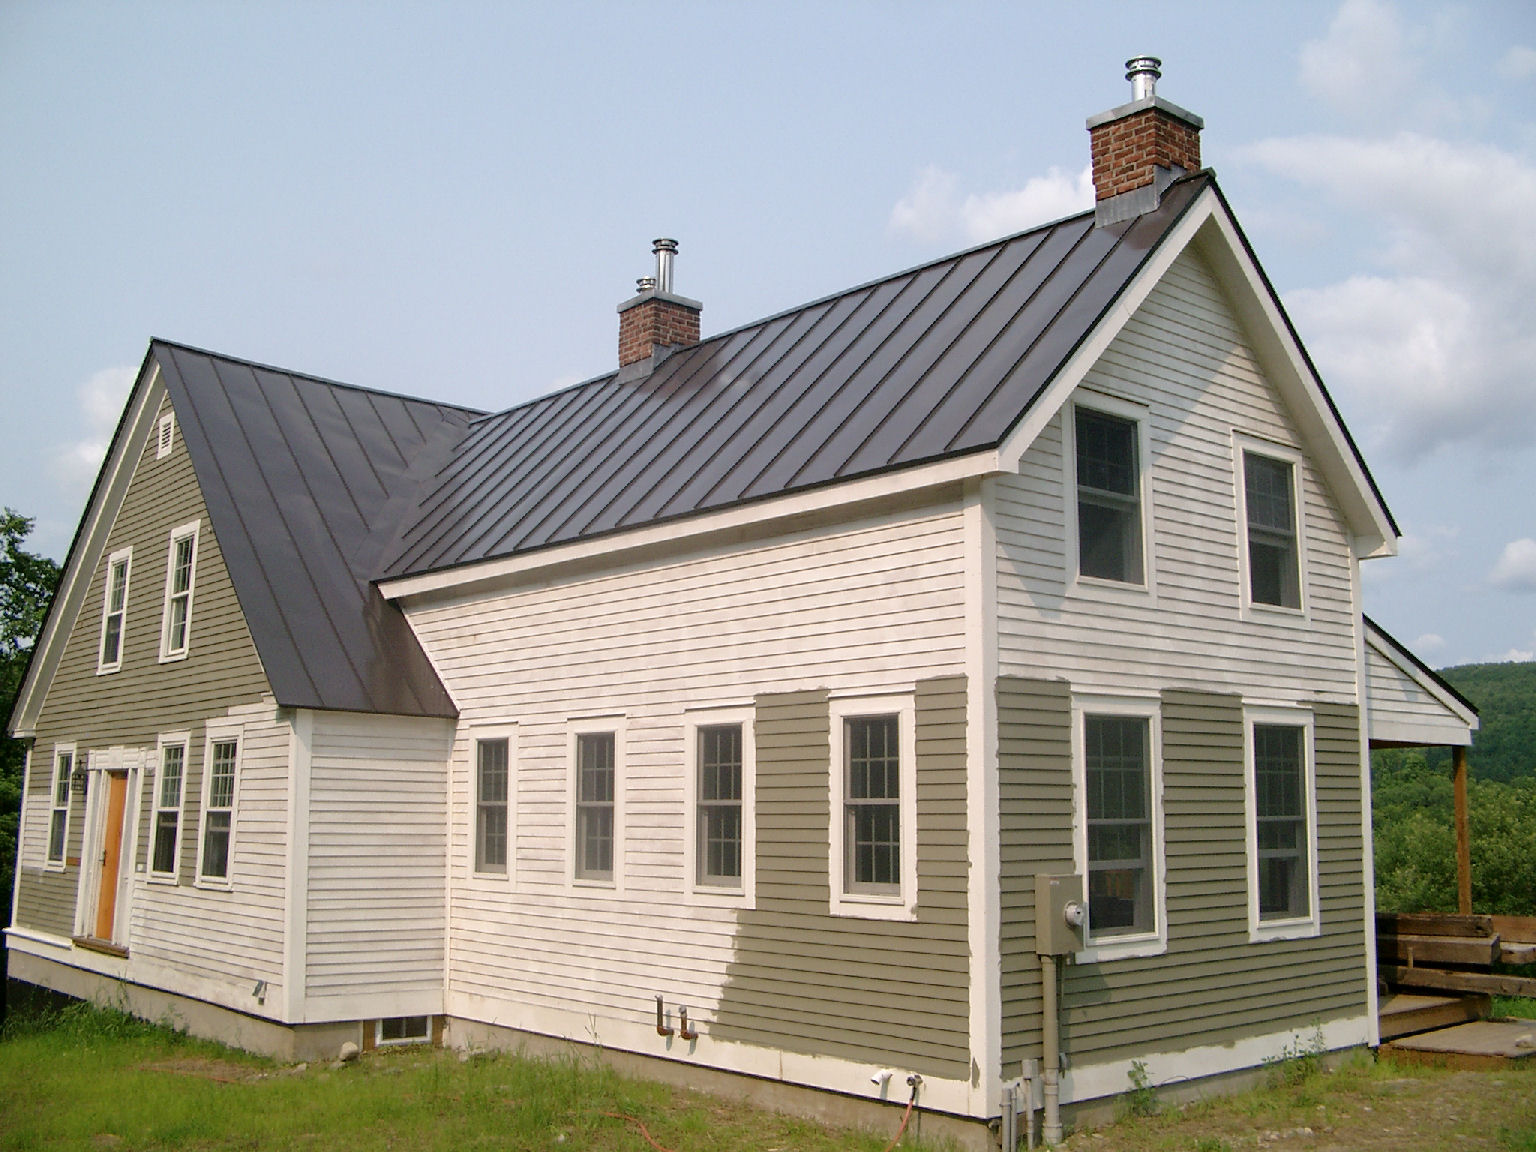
(1414,808)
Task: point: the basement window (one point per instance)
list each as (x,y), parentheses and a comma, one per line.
(403,1030)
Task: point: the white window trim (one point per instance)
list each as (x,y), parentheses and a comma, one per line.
(49,863)
(165,435)
(1299,927)
(1095,587)
(165,740)
(168,654)
(898,906)
(378,1030)
(714,894)
(578,726)
(221,734)
(1241,444)
(1121,947)
(507,732)
(125,556)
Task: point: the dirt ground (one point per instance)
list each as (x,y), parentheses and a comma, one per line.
(1360,1108)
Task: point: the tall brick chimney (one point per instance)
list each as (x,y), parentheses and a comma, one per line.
(1141,147)
(655,318)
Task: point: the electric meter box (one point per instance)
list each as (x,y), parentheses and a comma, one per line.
(1060,914)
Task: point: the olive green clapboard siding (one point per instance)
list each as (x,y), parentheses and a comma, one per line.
(871,991)
(1034,761)
(131,707)
(1212,986)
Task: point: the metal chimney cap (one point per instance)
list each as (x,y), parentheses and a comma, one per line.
(663,244)
(646,284)
(1143,72)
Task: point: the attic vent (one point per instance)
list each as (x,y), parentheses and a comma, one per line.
(165,436)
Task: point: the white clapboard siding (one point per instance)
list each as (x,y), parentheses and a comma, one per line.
(375,900)
(1401,709)
(1184,357)
(871,607)
(212,936)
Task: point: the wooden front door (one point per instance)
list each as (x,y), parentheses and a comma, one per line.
(111,854)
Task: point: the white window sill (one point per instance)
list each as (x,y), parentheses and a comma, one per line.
(108,669)
(213,884)
(1298,929)
(719,896)
(854,905)
(172,657)
(1123,948)
(169,879)
(1104,591)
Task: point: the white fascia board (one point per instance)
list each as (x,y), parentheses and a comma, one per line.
(611,547)
(1388,651)
(90,544)
(1208,225)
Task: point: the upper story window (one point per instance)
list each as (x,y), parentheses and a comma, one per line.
(165,435)
(214,846)
(170,784)
(1282,825)
(180,575)
(493,779)
(114,611)
(1119,825)
(874,835)
(1108,480)
(58,818)
(1272,536)
(596,825)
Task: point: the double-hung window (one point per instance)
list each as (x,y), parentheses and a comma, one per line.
(219,768)
(180,575)
(874,781)
(719,851)
(493,790)
(114,611)
(58,816)
(1107,471)
(596,825)
(1271,538)
(1119,830)
(170,784)
(1282,842)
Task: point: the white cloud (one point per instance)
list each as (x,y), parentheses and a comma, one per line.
(1359,67)
(1516,569)
(100,403)
(1519,63)
(1428,644)
(933,209)
(1513,656)
(1440,349)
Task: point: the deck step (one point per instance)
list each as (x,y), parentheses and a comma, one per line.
(1403,1014)
(1481,1045)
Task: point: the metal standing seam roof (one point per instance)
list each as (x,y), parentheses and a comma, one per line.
(298,475)
(935,362)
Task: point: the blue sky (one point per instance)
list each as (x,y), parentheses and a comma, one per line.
(449,199)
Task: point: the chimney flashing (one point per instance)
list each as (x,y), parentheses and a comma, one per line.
(1135,106)
(666,297)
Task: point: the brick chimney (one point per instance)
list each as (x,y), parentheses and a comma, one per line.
(1141,147)
(655,318)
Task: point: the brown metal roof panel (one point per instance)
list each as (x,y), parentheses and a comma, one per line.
(700,388)
(718,451)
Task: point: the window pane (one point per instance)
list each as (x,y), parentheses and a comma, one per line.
(171,760)
(594,805)
(221,782)
(61,781)
(872,820)
(1118,780)
(1281,835)
(1273,568)
(56,833)
(216,845)
(1108,497)
(165,841)
(492,788)
(719,805)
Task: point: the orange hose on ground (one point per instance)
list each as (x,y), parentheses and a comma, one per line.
(651,1140)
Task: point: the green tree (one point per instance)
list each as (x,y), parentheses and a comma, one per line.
(27,582)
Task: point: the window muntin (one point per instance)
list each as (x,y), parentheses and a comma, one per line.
(170,782)
(114,611)
(1108,475)
(718,807)
(218,809)
(1281,836)
(180,575)
(58,815)
(493,763)
(596,777)
(872,805)
(1274,575)
(1118,782)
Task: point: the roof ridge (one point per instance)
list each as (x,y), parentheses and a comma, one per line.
(474,413)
